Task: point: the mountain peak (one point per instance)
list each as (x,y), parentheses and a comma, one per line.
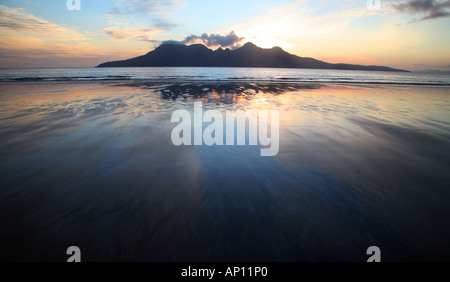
(249,45)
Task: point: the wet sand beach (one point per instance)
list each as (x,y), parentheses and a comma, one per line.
(91,164)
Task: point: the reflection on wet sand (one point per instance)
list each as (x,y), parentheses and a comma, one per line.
(92,165)
(176,90)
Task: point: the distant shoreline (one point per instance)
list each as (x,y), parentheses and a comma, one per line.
(144,82)
(263,67)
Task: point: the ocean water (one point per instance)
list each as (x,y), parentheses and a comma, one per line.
(224,74)
(91,164)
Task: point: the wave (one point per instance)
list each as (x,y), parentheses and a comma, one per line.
(56,79)
(205,78)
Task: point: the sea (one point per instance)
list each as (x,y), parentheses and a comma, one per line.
(226,74)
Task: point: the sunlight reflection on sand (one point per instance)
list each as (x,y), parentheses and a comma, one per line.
(92,164)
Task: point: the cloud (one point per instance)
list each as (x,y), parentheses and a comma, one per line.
(230,40)
(158,12)
(129,7)
(117,33)
(26,38)
(165,25)
(171,42)
(156,15)
(145,34)
(431,9)
(16,19)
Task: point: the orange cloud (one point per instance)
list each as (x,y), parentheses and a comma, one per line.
(28,41)
(124,33)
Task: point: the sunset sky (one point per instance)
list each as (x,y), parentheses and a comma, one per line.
(409,34)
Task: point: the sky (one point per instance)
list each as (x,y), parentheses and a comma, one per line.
(407,34)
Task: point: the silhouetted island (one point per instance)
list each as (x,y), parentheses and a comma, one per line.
(249,55)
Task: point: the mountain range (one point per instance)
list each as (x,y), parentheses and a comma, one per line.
(249,55)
